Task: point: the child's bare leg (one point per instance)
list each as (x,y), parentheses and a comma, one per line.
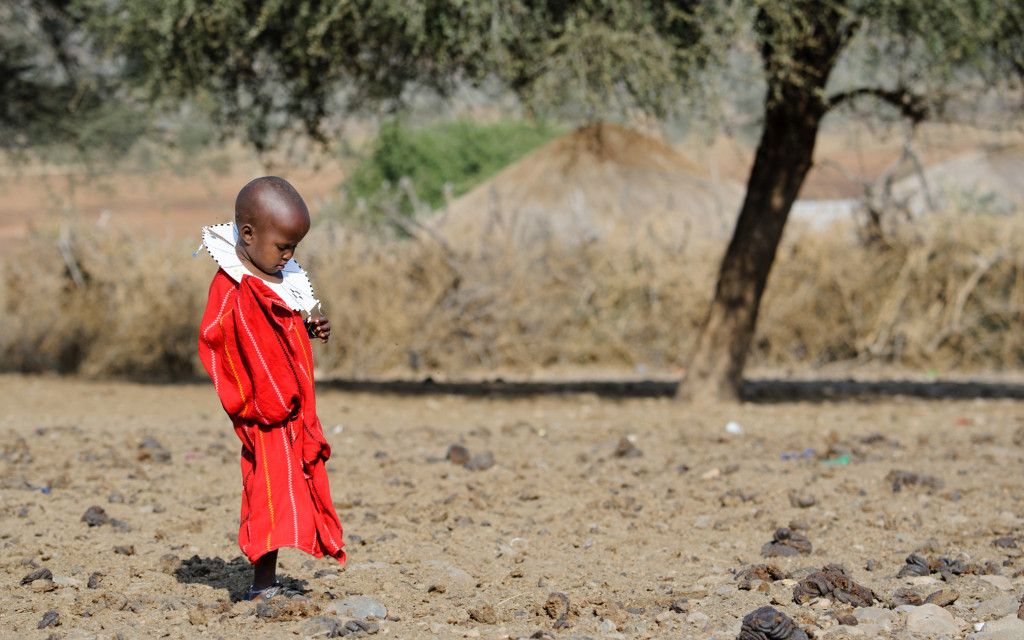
(264,581)
(264,571)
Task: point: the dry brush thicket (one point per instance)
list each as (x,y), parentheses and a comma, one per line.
(946,295)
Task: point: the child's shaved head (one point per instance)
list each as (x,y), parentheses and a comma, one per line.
(271,219)
(273,197)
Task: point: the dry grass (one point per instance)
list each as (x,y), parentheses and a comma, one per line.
(101,303)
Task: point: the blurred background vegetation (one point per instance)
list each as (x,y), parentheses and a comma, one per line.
(405,106)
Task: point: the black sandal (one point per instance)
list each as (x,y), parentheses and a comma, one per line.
(276,590)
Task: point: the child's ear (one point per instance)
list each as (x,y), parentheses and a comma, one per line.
(245,232)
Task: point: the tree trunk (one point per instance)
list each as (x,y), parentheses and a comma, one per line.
(794,108)
(782,161)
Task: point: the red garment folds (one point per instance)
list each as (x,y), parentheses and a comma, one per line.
(258,354)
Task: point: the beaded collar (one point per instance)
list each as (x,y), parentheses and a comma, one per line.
(294,289)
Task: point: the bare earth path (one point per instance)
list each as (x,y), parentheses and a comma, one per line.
(639,512)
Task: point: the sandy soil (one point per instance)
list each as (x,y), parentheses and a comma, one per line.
(643,513)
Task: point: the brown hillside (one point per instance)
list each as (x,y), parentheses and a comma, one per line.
(601,179)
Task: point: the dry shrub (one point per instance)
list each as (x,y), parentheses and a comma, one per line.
(947,293)
(99,302)
(421,305)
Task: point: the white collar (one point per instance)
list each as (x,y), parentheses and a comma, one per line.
(294,289)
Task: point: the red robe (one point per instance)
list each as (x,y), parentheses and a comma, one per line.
(258,354)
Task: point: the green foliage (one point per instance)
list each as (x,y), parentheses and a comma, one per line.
(461,154)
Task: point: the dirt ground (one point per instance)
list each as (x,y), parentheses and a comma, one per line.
(599,517)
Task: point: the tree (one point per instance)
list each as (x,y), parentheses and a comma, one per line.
(54,93)
(264,64)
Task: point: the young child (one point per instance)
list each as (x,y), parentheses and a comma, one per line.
(256,347)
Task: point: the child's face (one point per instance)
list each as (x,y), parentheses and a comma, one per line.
(269,243)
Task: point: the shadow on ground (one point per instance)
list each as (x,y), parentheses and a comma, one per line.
(234,576)
(761,391)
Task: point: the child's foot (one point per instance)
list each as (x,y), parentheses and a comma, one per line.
(279,591)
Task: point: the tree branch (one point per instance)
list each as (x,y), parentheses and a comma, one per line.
(909,104)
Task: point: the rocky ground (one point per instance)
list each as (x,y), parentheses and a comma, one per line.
(550,517)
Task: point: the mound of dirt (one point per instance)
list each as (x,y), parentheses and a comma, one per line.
(597,180)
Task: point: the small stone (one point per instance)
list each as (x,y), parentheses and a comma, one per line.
(356,628)
(698,619)
(786,542)
(626,449)
(801,500)
(480,462)
(483,614)
(848,619)
(942,597)
(361,607)
(997,607)
(95,516)
(931,620)
(437,588)
(320,627)
(607,626)
(94,580)
(457,454)
(50,619)
(38,574)
(169,563)
(876,615)
(125,549)
(151,450)
(1006,627)
(999,582)
(682,605)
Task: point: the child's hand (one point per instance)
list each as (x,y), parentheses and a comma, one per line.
(319,327)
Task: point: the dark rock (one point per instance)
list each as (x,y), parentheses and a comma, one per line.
(95,517)
(904,595)
(918,566)
(848,619)
(38,574)
(786,542)
(768,623)
(457,454)
(357,628)
(50,619)
(835,583)
(942,598)
(125,550)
